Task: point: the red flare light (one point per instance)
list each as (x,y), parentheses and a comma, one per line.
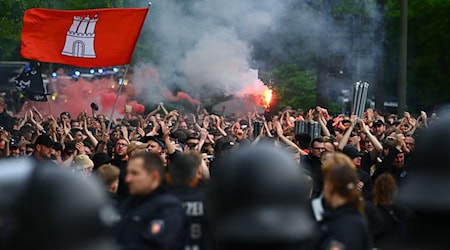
(267,95)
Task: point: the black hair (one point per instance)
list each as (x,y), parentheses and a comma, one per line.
(183,170)
(303,140)
(315,140)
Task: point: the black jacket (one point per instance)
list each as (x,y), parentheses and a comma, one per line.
(123,191)
(345,228)
(192,200)
(386,166)
(396,219)
(313,166)
(368,186)
(156,221)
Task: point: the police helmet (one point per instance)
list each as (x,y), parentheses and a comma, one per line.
(258,196)
(51,208)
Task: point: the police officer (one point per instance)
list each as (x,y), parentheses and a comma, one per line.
(257,200)
(151,218)
(184,176)
(52,208)
(426,190)
(344,226)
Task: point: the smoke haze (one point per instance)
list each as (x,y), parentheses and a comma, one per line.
(206,47)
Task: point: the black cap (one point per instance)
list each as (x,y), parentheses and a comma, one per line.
(57,147)
(179,135)
(100,159)
(243,123)
(223,144)
(146,139)
(44,140)
(65,113)
(94,106)
(351,151)
(378,123)
(194,135)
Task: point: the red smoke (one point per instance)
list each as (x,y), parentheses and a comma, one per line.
(149,75)
(181,96)
(76,96)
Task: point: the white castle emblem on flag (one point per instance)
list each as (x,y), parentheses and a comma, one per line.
(80,37)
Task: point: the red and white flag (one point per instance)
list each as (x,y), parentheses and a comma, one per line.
(83,38)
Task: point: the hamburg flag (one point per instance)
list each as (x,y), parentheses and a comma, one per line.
(83,38)
(30,83)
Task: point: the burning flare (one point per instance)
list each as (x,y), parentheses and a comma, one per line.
(258,93)
(267,97)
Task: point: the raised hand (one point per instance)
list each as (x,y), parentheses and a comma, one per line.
(423,115)
(203,134)
(80,148)
(66,128)
(165,129)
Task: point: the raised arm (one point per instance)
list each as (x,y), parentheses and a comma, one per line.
(166,136)
(88,133)
(161,105)
(279,131)
(201,142)
(347,134)
(154,111)
(323,125)
(219,126)
(376,144)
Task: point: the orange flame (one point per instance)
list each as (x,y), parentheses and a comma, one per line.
(267,97)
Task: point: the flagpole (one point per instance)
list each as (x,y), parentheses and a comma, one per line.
(49,108)
(119,91)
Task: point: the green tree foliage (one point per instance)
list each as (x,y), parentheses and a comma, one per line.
(294,87)
(429,49)
(11,25)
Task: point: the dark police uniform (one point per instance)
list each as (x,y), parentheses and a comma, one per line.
(156,221)
(198,237)
(344,228)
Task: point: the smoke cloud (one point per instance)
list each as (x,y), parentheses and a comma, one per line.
(76,96)
(206,47)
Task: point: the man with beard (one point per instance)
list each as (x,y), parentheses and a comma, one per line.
(365,183)
(393,163)
(379,129)
(120,160)
(43,150)
(312,164)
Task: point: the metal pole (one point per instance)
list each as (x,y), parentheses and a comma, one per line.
(403,57)
(119,91)
(355,90)
(121,82)
(364,100)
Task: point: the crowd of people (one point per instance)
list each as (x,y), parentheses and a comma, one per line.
(168,174)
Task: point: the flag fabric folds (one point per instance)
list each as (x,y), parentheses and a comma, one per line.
(83,38)
(30,83)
